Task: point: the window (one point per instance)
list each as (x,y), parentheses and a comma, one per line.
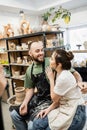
(77,36)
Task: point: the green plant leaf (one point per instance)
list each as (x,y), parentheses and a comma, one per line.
(64,15)
(60,13)
(53,20)
(51,9)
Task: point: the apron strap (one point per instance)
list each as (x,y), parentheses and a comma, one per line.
(43,68)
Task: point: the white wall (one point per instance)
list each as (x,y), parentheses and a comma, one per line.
(78,17)
(15,19)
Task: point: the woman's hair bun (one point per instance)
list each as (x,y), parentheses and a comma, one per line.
(70,55)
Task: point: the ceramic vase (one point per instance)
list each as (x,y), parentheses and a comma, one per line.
(20,94)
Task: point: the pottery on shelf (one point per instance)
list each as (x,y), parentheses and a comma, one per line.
(12,46)
(46,26)
(16,73)
(19,60)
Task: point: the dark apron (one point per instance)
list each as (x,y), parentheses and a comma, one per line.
(41,99)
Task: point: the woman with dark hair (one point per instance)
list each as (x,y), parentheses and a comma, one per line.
(65,95)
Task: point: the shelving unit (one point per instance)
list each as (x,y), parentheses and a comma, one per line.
(14,50)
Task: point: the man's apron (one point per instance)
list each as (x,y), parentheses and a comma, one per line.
(41,99)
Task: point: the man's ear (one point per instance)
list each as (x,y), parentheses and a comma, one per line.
(30,53)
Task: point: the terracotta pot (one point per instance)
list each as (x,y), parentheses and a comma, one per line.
(20,94)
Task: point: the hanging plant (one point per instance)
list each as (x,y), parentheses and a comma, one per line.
(61,13)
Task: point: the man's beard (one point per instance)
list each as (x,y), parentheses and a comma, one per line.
(36,60)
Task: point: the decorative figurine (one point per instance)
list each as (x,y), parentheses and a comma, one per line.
(8,31)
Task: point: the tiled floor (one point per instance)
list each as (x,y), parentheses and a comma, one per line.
(6,117)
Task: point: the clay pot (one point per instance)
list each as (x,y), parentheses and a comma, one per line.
(46,26)
(16,73)
(20,94)
(19,60)
(12,46)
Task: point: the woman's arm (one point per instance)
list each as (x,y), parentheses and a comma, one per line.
(51,76)
(44,112)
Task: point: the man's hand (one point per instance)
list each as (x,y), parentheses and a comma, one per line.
(23,109)
(83,87)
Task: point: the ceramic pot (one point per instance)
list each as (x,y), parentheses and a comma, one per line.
(12,46)
(19,60)
(20,94)
(16,73)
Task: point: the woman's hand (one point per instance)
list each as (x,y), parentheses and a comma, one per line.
(43,113)
(49,73)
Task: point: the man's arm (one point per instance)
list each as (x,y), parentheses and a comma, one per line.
(82,85)
(77,76)
(23,108)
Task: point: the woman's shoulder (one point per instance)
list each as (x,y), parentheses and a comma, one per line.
(66,74)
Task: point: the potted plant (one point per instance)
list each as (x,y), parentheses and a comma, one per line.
(46,15)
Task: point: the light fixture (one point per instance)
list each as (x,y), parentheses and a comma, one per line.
(21,12)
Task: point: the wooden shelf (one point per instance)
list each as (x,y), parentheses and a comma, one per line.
(54,48)
(7,76)
(79,51)
(17,78)
(5,65)
(17,50)
(33,35)
(3,52)
(19,64)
